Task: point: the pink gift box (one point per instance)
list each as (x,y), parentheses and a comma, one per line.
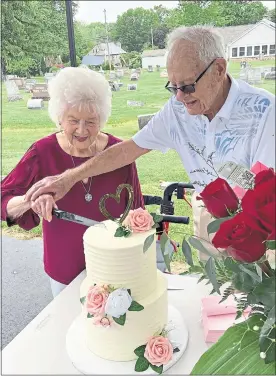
(258,167)
(218,317)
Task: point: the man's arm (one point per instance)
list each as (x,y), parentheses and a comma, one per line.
(111,159)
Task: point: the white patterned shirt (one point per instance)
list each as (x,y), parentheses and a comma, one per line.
(243,131)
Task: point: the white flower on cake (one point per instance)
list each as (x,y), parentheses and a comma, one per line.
(118,302)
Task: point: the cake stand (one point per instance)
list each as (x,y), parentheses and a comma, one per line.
(90,364)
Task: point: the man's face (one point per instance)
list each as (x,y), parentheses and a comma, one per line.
(184,67)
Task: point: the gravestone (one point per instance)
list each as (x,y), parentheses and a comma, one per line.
(157,68)
(48,77)
(270,75)
(150,68)
(35,104)
(114,86)
(138,70)
(112,75)
(20,82)
(29,84)
(40,91)
(244,74)
(254,76)
(120,73)
(12,91)
(120,84)
(131,87)
(134,77)
(135,104)
(144,119)
(164,73)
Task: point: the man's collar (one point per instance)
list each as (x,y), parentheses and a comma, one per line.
(226,109)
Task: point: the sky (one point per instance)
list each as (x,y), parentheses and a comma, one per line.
(92,11)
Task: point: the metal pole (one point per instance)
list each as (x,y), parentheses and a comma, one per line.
(151,38)
(70,28)
(107,42)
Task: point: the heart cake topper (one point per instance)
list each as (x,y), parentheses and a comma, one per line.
(117,197)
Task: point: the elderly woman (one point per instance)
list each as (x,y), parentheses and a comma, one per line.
(80,104)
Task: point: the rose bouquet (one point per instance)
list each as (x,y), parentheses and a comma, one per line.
(243,233)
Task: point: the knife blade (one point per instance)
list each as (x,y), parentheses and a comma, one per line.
(71,217)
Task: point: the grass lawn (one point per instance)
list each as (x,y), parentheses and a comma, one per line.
(21,127)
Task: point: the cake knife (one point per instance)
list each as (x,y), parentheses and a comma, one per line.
(61,214)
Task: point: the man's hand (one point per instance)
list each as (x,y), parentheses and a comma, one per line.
(43,206)
(57,186)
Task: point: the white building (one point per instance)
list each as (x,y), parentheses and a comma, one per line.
(114,50)
(154,58)
(250,41)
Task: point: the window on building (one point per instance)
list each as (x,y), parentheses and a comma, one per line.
(242,51)
(256,50)
(264,50)
(234,52)
(272,49)
(249,51)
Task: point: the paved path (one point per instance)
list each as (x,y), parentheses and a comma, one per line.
(25,286)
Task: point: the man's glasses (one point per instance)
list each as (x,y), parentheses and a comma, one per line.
(187,89)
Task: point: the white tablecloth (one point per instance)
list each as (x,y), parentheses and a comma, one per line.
(40,347)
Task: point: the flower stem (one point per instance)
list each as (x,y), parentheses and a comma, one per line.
(266,268)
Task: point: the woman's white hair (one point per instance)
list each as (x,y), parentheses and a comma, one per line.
(82,89)
(208,41)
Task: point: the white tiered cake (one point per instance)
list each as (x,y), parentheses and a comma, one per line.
(121,263)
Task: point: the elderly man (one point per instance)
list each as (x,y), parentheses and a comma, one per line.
(210,119)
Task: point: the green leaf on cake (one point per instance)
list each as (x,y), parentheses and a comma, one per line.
(82,300)
(157,369)
(135,306)
(119,232)
(148,242)
(140,351)
(164,239)
(141,364)
(120,320)
(89,315)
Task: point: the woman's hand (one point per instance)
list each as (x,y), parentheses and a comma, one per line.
(43,206)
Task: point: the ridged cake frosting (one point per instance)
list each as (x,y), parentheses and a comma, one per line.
(120,262)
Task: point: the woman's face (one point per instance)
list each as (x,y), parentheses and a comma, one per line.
(80,127)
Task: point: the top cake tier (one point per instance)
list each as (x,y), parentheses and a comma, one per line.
(120,261)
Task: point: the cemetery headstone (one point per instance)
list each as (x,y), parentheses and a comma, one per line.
(144,119)
(49,76)
(114,86)
(150,68)
(131,87)
(35,104)
(120,73)
(138,70)
(254,76)
(112,75)
(40,91)
(158,68)
(29,84)
(20,82)
(12,91)
(244,74)
(134,77)
(135,104)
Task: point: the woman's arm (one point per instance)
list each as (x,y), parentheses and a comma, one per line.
(16,207)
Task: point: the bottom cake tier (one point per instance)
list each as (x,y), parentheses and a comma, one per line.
(118,342)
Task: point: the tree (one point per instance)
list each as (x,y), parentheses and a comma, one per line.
(32,30)
(159,36)
(133,28)
(271,15)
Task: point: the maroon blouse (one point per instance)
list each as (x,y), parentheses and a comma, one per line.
(63,244)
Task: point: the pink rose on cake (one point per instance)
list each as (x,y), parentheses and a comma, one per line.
(96,300)
(139,220)
(158,351)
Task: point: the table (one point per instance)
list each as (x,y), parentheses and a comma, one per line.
(40,347)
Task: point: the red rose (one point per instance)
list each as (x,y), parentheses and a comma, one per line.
(218,196)
(264,175)
(259,204)
(240,241)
